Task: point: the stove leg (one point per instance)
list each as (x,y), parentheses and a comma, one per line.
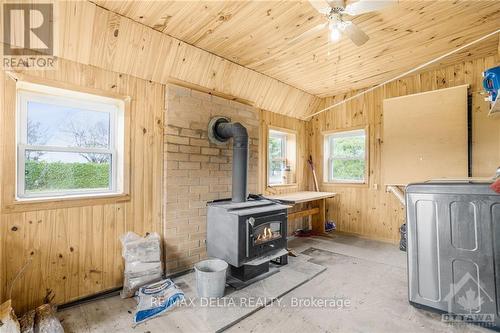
(283,260)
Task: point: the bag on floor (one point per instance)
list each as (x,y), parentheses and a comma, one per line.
(27,322)
(141,249)
(8,319)
(46,320)
(142,261)
(403,237)
(156,299)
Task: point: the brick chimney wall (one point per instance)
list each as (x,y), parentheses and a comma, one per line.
(197,171)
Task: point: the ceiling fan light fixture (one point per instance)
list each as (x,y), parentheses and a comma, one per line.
(334,10)
(335,34)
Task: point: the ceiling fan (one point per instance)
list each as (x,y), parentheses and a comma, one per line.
(334,11)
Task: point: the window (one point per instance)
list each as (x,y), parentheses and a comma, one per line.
(281,158)
(68,143)
(345,157)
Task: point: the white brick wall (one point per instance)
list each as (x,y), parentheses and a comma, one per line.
(196,170)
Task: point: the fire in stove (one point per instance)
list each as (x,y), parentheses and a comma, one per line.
(266,235)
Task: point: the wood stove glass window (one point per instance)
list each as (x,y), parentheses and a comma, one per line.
(267,232)
(281,158)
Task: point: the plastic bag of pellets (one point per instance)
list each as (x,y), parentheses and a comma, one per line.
(142,261)
(156,299)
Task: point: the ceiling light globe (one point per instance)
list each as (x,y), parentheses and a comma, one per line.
(335,35)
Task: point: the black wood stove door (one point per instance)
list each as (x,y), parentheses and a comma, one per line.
(265,234)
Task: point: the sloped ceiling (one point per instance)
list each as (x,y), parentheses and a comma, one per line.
(256,34)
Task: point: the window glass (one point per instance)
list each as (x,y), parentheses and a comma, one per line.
(47,172)
(277,158)
(64,126)
(345,156)
(281,158)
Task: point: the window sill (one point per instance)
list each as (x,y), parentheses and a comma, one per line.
(31,204)
(281,185)
(346,184)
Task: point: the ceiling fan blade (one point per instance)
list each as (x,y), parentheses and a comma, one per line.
(308,33)
(322,6)
(365,6)
(336,3)
(354,33)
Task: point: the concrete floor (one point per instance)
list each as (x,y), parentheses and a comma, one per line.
(370,274)
(363,289)
(114,314)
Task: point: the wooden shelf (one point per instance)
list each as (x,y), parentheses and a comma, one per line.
(304,196)
(303,213)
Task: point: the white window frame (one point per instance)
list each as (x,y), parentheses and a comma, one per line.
(26,92)
(329,158)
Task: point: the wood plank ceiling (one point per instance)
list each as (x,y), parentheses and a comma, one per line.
(256,34)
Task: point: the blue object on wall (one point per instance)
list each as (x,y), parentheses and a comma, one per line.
(491,82)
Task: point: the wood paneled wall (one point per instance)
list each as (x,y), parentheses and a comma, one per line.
(368,210)
(298,126)
(76,251)
(277,121)
(90,34)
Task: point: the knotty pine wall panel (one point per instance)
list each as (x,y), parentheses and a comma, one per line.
(368,210)
(76,251)
(278,121)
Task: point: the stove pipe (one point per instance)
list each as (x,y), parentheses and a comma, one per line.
(220,130)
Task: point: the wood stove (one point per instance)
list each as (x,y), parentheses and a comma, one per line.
(247,234)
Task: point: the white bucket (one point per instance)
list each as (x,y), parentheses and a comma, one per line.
(211,277)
